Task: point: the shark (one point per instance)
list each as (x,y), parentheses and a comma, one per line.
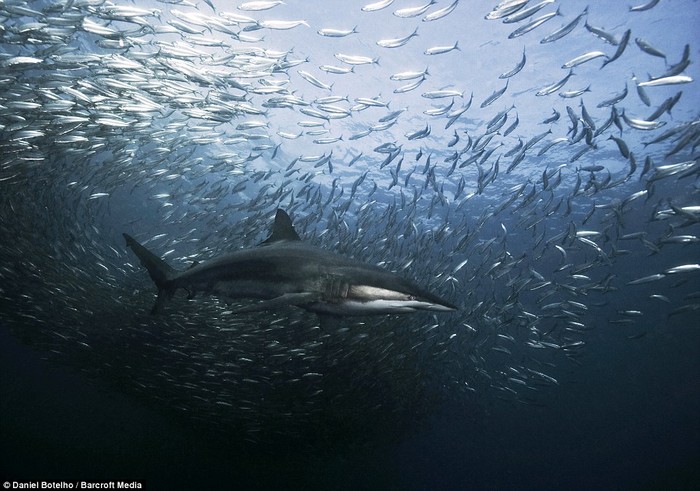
(285,271)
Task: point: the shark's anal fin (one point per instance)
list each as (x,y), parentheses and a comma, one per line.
(281,301)
(282,229)
(163,297)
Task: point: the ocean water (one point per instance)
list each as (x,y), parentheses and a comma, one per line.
(539,173)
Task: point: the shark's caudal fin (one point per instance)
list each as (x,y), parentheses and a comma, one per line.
(161,272)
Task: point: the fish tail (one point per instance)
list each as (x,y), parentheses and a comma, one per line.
(160,272)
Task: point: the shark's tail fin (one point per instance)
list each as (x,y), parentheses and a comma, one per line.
(161,272)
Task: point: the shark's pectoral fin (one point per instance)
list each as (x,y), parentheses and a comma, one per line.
(282,301)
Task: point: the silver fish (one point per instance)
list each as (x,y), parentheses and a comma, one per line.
(438,94)
(675,80)
(525,13)
(409,75)
(381,4)
(519,66)
(258,5)
(549,89)
(314,81)
(414,11)
(493,97)
(397,42)
(564,30)
(591,55)
(440,13)
(645,6)
(532,25)
(356,59)
(602,34)
(439,50)
(648,48)
(620,48)
(337,33)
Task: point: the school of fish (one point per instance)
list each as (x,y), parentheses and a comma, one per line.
(555,198)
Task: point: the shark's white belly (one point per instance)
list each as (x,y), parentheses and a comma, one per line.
(368,300)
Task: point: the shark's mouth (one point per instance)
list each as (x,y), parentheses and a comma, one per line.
(366,292)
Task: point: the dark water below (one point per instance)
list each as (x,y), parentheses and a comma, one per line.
(626,419)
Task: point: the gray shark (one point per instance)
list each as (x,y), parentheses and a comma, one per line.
(283,270)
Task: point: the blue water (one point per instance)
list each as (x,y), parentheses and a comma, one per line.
(93,388)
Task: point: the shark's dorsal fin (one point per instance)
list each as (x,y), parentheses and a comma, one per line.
(282,229)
